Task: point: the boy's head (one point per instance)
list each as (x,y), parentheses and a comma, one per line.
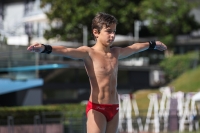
(102,19)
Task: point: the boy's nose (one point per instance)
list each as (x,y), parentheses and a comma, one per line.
(113,33)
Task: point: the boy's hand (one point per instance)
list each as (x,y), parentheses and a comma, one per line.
(160,46)
(37,47)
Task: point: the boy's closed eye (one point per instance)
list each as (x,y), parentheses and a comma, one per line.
(110,31)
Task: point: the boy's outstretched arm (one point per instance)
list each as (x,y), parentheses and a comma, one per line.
(74,53)
(138,47)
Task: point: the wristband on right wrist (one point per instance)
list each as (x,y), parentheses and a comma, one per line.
(47,49)
(152,44)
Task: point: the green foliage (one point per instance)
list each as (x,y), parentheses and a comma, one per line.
(166,18)
(73,14)
(27,113)
(174,66)
(188,81)
(169,18)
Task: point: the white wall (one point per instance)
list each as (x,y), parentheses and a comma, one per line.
(13,18)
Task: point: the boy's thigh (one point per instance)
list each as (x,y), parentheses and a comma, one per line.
(96,122)
(112,125)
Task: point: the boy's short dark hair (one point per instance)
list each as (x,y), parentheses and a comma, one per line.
(102,19)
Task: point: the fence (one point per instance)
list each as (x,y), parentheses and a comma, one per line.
(56,122)
(45,122)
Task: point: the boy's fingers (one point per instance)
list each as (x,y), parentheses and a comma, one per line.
(34,48)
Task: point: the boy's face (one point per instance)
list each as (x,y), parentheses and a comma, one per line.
(107,35)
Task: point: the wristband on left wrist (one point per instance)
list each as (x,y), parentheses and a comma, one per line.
(152,44)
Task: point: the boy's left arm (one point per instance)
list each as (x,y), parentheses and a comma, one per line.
(138,47)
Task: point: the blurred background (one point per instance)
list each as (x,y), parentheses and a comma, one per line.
(159,91)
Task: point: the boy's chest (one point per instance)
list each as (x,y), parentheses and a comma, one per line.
(107,63)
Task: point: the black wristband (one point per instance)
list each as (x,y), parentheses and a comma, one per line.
(152,44)
(47,49)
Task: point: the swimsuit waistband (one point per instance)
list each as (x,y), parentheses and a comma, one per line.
(102,104)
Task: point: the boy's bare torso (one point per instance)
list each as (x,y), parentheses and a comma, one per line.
(102,70)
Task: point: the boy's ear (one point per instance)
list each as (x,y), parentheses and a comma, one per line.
(95,33)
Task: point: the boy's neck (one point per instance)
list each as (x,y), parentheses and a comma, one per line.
(102,48)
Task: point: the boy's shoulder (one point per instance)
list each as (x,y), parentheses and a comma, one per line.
(84,47)
(115,48)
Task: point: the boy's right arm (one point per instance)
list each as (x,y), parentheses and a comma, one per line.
(75,53)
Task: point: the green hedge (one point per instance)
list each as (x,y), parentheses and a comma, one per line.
(26,114)
(174,66)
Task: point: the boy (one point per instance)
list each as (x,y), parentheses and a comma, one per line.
(101,64)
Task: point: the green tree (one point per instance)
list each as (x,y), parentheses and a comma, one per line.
(169,18)
(71,15)
(166,18)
